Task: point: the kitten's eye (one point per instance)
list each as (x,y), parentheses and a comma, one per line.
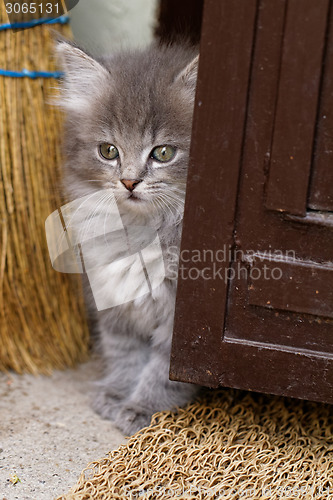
(163,153)
(108,151)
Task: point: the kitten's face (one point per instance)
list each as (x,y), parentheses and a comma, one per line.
(129,125)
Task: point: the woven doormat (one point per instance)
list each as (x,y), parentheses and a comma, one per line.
(230,445)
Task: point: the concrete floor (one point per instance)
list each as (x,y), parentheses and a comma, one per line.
(48,433)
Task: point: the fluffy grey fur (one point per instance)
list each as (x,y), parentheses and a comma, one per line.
(136,101)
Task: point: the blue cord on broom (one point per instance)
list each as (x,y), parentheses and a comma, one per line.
(35,22)
(31,74)
(30,24)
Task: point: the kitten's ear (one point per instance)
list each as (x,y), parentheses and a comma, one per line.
(83,76)
(188,76)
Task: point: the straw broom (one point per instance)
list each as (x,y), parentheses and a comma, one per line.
(42,319)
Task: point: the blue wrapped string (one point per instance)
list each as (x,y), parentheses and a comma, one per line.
(31,74)
(35,22)
(25,73)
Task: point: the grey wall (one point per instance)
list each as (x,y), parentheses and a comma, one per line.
(102,25)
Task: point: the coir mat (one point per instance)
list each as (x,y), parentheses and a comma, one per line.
(229,444)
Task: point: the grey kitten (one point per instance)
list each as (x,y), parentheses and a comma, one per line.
(128,128)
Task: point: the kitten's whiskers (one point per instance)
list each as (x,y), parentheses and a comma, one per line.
(69,223)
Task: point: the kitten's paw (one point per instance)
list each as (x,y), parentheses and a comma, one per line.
(105,405)
(130,420)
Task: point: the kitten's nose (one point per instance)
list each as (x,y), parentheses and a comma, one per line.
(130,184)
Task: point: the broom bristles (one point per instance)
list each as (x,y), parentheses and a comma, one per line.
(42,318)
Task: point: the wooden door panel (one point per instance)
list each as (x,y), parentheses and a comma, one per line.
(214,163)
(321,189)
(300,71)
(267,368)
(283,325)
(291,285)
(252,317)
(266,335)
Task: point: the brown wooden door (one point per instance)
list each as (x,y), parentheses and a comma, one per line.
(255,294)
